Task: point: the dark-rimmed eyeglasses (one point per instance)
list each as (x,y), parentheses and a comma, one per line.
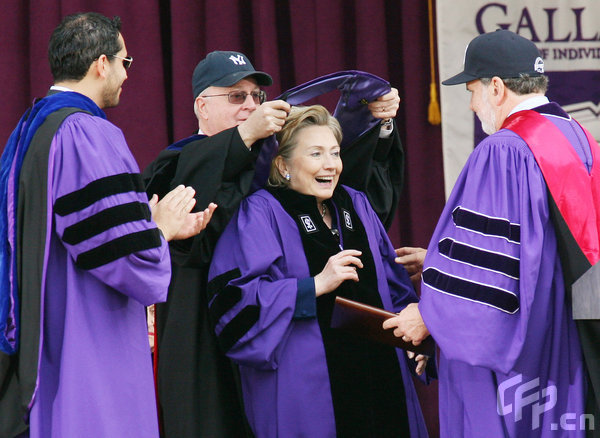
(239,97)
(127,61)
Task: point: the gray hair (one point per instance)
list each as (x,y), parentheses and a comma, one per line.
(523,85)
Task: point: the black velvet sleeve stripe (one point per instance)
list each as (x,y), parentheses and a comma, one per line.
(117,248)
(238,327)
(491,296)
(104,220)
(217,284)
(224,301)
(478,257)
(487,225)
(96,190)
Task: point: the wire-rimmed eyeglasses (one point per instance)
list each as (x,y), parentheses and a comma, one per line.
(239,97)
(127,61)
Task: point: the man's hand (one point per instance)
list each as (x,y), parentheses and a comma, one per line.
(171,212)
(266,120)
(412,259)
(386,106)
(409,325)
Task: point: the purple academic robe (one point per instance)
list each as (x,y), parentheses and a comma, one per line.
(282,360)
(95,374)
(493,298)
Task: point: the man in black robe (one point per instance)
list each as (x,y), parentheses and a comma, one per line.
(197,391)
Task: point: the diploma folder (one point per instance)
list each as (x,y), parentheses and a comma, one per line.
(366,321)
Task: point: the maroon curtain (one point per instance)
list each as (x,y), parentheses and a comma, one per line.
(293,40)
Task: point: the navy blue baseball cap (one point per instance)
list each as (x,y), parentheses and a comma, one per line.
(501,53)
(224,69)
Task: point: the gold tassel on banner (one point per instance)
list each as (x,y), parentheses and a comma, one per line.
(434,117)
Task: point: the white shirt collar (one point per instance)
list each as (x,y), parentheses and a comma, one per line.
(60,88)
(530,103)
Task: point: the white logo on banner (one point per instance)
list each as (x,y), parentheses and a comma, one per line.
(238,60)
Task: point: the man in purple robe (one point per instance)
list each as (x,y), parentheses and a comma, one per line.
(82,252)
(493,292)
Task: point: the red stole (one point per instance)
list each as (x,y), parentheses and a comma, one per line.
(575,191)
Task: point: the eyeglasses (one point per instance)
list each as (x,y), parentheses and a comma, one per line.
(239,97)
(127,61)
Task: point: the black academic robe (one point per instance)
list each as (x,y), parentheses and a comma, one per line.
(196,382)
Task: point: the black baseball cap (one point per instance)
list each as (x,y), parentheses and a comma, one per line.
(501,53)
(224,69)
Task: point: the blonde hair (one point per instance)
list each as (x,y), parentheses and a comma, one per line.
(300,117)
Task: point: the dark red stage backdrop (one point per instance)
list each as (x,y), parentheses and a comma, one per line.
(293,40)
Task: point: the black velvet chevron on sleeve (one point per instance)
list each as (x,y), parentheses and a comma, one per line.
(119,247)
(104,220)
(96,190)
(238,327)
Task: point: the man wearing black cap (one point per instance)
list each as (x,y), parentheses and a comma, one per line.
(222,83)
(494,291)
(196,386)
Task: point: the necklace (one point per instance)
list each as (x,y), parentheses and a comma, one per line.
(323,210)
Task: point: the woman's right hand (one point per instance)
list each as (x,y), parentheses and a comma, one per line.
(340,267)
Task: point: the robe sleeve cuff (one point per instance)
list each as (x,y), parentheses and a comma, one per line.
(306,300)
(387,128)
(383,148)
(238,156)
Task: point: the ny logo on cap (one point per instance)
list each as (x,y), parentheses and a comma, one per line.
(237,60)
